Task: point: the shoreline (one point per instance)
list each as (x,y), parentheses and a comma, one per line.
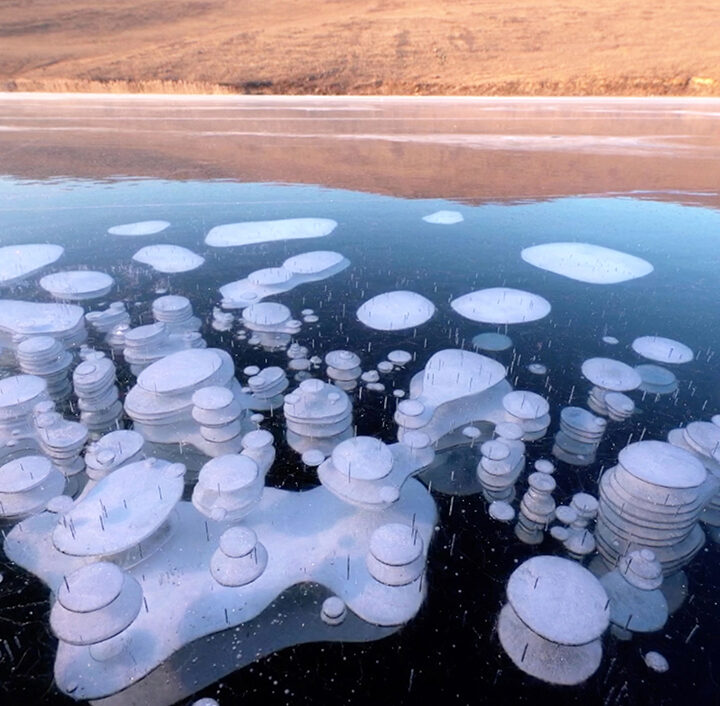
(687,87)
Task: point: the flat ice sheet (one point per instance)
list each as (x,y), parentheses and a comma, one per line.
(501,305)
(444,218)
(586,263)
(395,311)
(169,258)
(139,228)
(250,232)
(19,261)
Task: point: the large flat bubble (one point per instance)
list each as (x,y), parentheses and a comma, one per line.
(139,228)
(586,263)
(19,261)
(501,305)
(169,258)
(250,232)
(395,311)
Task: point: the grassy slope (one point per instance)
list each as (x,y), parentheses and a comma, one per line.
(535,47)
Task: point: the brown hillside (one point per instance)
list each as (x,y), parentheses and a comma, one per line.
(488,47)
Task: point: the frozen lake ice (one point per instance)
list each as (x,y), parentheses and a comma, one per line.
(316,235)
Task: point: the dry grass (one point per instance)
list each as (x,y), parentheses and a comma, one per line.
(481,47)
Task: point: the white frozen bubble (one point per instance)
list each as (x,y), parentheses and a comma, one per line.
(169,259)
(139,228)
(543,465)
(316,263)
(65,322)
(306,267)
(370,376)
(662,350)
(537,369)
(492,342)
(249,232)
(375,387)
(656,661)
(395,311)
(610,340)
(77,285)
(656,376)
(501,305)
(586,263)
(444,218)
(20,261)
(501,511)
(313,457)
(399,357)
(611,374)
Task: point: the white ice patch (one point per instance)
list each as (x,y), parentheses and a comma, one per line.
(169,258)
(296,270)
(444,218)
(586,263)
(395,311)
(662,350)
(501,305)
(20,261)
(65,322)
(77,285)
(250,232)
(140,228)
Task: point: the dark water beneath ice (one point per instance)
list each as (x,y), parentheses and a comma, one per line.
(449,653)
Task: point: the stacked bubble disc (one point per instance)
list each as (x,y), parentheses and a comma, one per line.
(221,320)
(94,385)
(652,499)
(298,357)
(619,406)
(218,412)
(528,410)
(343,368)
(240,558)
(60,440)
(95,603)
(267,388)
(499,468)
(703,440)
(111,451)
(552,623)
(176,313)
(396,556)
(656,380)
(537,508)
(228,487)
(271,323)
(162,404)
(113,322)
(633,587)
(145,345)
(27,484)
(47,358)
(317,413)
(579,436)
(586,509)
(19,395)
(610,376)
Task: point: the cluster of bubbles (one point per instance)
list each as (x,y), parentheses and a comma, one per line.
(95,491)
